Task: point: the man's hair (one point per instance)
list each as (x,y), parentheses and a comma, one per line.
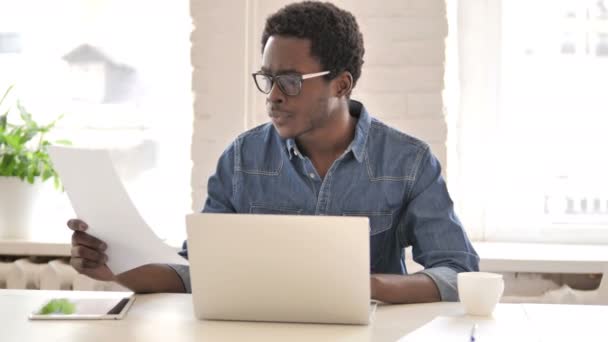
(334,34)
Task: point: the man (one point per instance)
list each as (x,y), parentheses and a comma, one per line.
(323,154)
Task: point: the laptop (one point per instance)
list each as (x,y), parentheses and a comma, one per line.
(280,268)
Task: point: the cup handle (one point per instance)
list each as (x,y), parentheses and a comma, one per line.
(502,289)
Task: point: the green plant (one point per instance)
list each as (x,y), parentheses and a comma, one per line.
(23,147)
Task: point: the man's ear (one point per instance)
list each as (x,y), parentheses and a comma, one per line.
(343,84)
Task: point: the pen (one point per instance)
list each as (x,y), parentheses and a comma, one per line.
(473,337)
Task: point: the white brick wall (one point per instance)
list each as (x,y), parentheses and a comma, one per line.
(402,81)
(218,83)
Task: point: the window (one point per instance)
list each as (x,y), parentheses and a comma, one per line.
(120,72)
(532,122)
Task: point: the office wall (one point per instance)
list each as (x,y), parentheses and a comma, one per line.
(401,83)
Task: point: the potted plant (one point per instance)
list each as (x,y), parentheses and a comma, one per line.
(24,166)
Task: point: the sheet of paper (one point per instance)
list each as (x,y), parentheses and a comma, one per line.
(100,199)
(458,328)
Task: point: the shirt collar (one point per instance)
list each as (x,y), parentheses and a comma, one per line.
(357,146)
(292,148)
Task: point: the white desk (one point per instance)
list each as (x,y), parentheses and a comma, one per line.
(169,317)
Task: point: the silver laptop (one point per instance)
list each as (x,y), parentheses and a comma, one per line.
(278,268)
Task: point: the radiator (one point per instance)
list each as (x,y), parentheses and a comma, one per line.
(55,274)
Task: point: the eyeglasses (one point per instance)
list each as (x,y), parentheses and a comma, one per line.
(290,84)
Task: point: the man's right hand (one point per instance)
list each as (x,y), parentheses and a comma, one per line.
(88,253)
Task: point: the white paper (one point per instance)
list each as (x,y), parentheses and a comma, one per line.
(100,199)
(458,328)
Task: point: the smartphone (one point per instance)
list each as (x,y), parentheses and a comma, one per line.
(83,308)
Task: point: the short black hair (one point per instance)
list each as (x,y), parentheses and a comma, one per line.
(333,32)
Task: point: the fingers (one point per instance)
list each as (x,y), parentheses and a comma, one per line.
(85,259)
(89,254)
(77,225)
(84,239)
(82,265)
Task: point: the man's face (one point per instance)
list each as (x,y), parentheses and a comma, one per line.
(296,116)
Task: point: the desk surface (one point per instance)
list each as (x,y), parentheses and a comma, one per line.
(169,317)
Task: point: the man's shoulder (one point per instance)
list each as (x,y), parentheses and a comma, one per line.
(383,136)
(258,133)
(258,141)
(392,155)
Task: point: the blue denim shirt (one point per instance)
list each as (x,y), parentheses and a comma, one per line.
(385,175)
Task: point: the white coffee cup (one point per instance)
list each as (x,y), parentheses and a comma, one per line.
(479,292)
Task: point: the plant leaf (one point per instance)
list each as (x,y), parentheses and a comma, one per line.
(13,141)
(26,116)
(27,136)
(6,93)
(54,122)
(46,174)
(3,121)
(63,142)
(57,182)
(30,178)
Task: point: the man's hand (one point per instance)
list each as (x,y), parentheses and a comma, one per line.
(87,255)
(89,258)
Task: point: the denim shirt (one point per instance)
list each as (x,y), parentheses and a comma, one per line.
(385,175)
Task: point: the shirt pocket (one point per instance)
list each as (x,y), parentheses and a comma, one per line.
(379,221)
(263,208)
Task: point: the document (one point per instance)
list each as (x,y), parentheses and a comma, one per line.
(100,199)
(460,328)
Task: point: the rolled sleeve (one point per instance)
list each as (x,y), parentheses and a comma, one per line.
(430,226)
(183,271)
(446,280)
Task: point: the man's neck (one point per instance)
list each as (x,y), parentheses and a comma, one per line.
(328,143)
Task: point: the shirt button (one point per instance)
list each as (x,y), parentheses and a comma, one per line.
(312,175)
